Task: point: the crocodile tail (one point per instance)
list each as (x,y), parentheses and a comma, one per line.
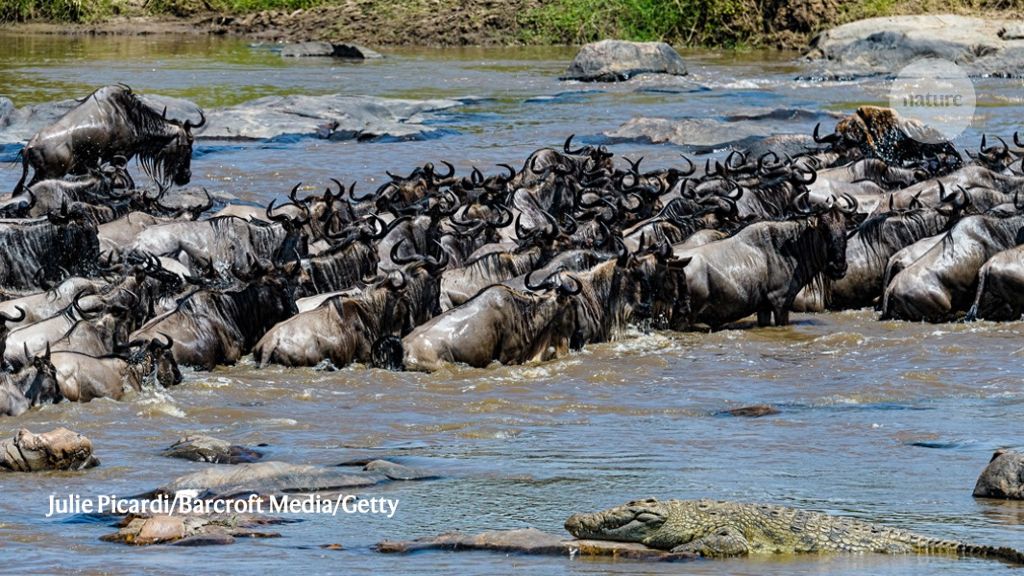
(1004,553)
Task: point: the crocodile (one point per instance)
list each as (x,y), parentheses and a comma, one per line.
(717,529)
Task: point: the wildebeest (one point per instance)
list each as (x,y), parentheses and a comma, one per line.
(943,281)
(1000,294)
(32,386)
(82,377)
(763,267)
(111,122)
(499,323)
(42,250)
(211,327)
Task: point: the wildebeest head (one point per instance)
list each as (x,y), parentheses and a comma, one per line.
(829,221)
(160,360)
(41,387)
(170,158)
(658,282)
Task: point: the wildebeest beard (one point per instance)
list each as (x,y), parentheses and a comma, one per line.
(167,156)
(819,249)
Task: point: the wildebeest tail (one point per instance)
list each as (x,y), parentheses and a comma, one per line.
(972,314)
(388,353)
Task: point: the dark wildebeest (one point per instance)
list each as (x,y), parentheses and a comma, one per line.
(499,323)
(944,280)
(33,386)
(111,122)
(1000,294)
(763,267)
(212,327)
(358,327)
(42,250)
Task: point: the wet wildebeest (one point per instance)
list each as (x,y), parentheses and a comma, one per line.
(82,377)
(763,267)
(36,252)
(943,282)
(111,122)
(499,323)
(32,386)
(1000,294)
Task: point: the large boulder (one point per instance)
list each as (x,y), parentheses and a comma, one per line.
(983,47)
(59,449)
(617,60)
(1003,477)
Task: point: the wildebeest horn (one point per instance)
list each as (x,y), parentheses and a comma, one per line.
(511,172)
(168,345)
(398,259)
(830,139)
(733,165)
(7,318)
(809,175)
(801,203)
(568,144)
(570,291)
(851,202)
(690,167)
(634,167)
(202,122)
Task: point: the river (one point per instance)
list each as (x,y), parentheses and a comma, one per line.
(885,421)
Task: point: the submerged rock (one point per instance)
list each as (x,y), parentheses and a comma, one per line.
(982,47)
(397,471)
(1003,477)
(59,449)
(267,478)
(529,541)
(755,411)
(327,49)
(191,529)
(707,134)
(335,117)
(618,60)
(199,448)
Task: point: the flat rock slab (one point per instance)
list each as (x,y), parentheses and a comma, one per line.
(334,117)
(59,449)
(199,448)
(617,60)
(330,50)
(191,530)
(1003,477)
(982,47)
(266,478)
(707,134)
(530,541)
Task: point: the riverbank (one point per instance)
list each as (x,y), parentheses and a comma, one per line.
(714,23)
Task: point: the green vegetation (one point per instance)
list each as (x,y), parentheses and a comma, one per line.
(690,22)
(727,23)
(61,10)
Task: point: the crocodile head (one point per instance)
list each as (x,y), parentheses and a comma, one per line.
(636,521)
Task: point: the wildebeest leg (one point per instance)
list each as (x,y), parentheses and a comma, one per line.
(781,316)
(764,318)
(24,174)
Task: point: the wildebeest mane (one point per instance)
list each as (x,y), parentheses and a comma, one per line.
(896,230)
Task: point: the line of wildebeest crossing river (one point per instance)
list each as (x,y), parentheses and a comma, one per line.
(109,287)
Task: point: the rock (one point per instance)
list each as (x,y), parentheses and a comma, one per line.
(336,117)
(191,530)
(709,134)
(199,448)
(529,541)
(982,47)
(59,449)
(267,478)
(397,471)
(332,547)
(1003,477)
(327,49)
(756,411)
(617,60)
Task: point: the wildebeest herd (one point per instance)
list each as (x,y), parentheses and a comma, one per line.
(106,286)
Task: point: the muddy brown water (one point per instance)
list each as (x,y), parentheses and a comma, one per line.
(884,421)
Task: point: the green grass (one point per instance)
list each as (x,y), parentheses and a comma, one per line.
(60,10)
(692,22)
